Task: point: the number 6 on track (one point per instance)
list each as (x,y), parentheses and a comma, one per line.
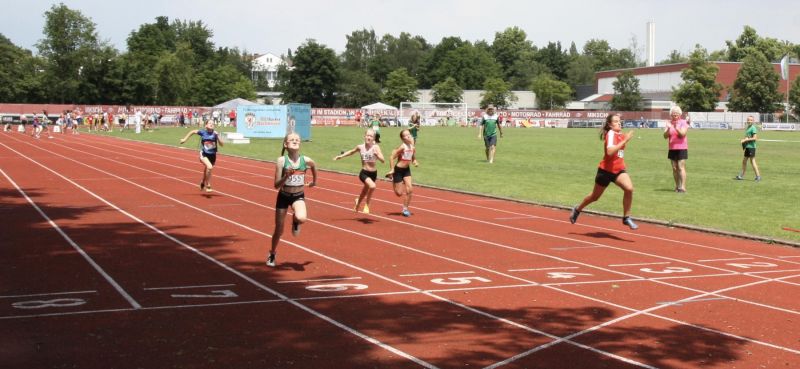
(459,280)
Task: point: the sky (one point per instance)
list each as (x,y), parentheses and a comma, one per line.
(261,26)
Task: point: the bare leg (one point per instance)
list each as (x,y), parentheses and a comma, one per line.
(624,182)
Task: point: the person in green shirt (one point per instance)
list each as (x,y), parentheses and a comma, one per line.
(414,124)
(375,124)
(488,129)
(749,146)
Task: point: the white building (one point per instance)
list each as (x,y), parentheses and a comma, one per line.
(265,66)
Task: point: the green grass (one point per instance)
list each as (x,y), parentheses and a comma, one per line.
(557,167)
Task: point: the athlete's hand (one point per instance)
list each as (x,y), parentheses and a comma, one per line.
(182,141)
(311,184)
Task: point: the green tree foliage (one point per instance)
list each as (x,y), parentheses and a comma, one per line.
(361,47)
(525,69)
(756,86)
(555,59)
(315,77)
(508,48)
(580,71)
(214,86)
(400,86)
(700,89)
(69,42)
(606,58)
(357,89)
(794,97)
(471,66)
(498,93)
(13,73)
(626,93)
(750,42)
(551,93)
(447,91)
(435,59)
(674,57)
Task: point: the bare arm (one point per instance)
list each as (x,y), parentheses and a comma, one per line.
(280,175)
(310,163)
(613,149)
(189,134)
(379,154)
(346,153)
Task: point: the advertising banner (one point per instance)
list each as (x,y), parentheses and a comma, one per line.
(274,121)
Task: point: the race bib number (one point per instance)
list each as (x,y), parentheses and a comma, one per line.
(621,153)
(210,145)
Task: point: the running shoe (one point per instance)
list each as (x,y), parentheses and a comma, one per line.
(295,228)
(208,189)
(366,209)
(573,216)
(271,259)
(406,213)
(738,178)
(629,222)
(758,178)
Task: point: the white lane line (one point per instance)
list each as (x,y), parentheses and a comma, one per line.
(788,257)
(510,247)
(480,312)
(435,273)
(514,218)
(575,248)
(536,269)
(677,303)
(320,280)
(638,264)
(47,294)
(231,269)
(69,240)
(187,287)
(224,205)
(730,259)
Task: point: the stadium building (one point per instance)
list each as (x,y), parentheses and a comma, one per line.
(656,84)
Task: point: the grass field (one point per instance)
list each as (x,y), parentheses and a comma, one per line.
(557,167)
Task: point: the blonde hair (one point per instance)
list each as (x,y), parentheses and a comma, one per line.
(676,109)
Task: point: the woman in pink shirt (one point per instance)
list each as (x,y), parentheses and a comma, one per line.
(678,147)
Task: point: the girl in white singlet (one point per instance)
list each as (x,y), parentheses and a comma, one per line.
(400,161)
(290,181)
(370,152)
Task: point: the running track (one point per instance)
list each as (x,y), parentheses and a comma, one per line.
(112,258)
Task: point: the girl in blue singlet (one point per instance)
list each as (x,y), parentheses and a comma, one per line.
(209,140)
(400,161)
(290,181)
(370,152)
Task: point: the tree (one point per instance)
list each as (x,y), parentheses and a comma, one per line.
(315,77)
(400,86)
(626,93)
(361,47)
(580,71)
(749,42)
(435,58)
(700,89)
(794,97)
(555,59)
(213,86)
(498,93)
(13,72)
(69,41)
(524,70)
(550,93)
(470,66)
(674,57)
(358,89)
(447,91)
(508,47)
(756,86)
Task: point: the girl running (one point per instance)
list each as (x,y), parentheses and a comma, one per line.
(290,181)
(209,139)
(400,173)
(611,169)
(370,152)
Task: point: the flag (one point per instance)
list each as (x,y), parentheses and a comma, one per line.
(785,67)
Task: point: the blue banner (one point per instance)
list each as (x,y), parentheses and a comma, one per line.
(274,121)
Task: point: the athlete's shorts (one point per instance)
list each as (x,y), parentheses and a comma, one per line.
(211,157)
(749,152)
(676,155)
(287,199)
(364,174)
(400,173)
(603,178)
(490,141)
